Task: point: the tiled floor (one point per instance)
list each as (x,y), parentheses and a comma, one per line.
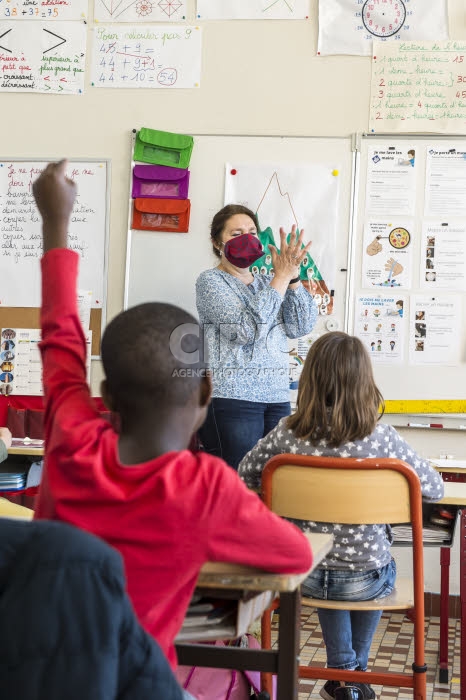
(391,651)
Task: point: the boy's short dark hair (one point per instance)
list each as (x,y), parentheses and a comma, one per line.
(152,354)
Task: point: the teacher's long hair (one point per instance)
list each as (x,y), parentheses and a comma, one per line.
(338,400)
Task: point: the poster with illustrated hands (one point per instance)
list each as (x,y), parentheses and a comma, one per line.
(139,10)
(391,180)
(285,194)
(387,253)
(443,256)
(43,9)
(351,26)
(20,364)
(435,330)
(380,323)
(445,194)
(252,9)
(42,57)
(151,56)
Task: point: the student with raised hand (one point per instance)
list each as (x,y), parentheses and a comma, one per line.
(167,510)
(5,443)
(337,416)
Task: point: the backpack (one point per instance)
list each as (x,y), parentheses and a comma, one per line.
(223,684)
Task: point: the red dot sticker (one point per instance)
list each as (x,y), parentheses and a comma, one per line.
(233,171)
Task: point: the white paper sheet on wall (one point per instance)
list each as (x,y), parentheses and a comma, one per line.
(387,253)
(434,330)
(350,26)
(285,194)
(45,10)
(42,57)
(22,374)
(21,230)
(443,256)
(252,9)
(139,10)
(418,86)
(380,323)
(152,56)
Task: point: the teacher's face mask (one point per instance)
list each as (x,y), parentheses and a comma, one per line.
(242,251)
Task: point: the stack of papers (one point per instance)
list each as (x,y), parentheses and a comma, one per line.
(404,533)
(13,477)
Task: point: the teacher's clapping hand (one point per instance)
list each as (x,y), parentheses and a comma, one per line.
(287,261)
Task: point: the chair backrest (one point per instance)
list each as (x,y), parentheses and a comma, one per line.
(342,490)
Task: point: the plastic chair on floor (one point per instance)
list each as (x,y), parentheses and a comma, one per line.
(359,491)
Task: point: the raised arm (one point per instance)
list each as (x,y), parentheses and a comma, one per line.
(63,347)
(299,312)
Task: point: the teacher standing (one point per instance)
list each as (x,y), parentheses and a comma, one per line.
(246,320)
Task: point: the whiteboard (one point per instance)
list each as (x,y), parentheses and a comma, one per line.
(164,266)
(420,196)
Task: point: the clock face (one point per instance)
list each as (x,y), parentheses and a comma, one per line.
(383,17)
(399,238)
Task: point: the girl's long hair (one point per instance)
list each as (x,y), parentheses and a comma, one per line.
(338,399)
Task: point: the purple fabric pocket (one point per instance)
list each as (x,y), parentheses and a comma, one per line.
(160,182)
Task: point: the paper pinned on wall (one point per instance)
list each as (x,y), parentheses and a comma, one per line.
(435,330)
(42,57)
(24,372)
(443,256)
(139,11)
(380,323)
(351,26)
(22,238)
(51,10)
(152,56)
(418,86)
(283,194)
(252,9)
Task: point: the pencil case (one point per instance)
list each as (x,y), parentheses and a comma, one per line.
(163,148)
(160,182)
(161,215)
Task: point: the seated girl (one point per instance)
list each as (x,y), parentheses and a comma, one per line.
(337,416)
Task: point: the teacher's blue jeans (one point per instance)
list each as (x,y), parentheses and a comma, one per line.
(233,426)
(348,633)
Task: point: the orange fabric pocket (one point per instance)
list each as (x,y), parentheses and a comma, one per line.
(161,215)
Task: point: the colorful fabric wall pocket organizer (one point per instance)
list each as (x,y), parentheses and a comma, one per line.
(161,215)
(163,148)
(160,181)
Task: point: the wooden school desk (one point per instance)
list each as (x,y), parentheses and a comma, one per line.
(240,582)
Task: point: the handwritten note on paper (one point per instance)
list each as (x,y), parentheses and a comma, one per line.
(253,9)
(42,57)
(43,9)
(20,230)
(152,56)
(418,86)
(139,11)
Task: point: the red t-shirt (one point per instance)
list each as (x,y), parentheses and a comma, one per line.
(167,516)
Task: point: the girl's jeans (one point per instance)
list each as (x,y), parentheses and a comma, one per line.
(348,633)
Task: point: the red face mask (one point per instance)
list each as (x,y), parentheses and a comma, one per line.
(243,250)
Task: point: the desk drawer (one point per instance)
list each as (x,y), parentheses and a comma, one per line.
(240,613)
(433,536)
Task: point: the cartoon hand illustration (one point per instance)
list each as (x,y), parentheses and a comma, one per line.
(393,267)
(374,247)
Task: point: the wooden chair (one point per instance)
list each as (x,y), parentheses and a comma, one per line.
(360,491)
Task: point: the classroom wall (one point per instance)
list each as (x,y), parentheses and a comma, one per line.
(258,77)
